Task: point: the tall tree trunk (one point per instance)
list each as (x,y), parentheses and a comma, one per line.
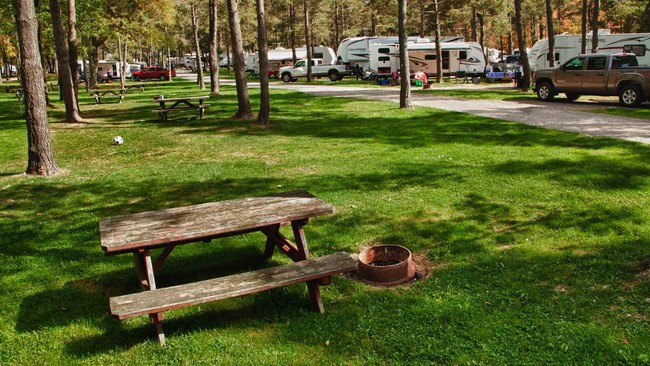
(436,19)
(583,45)
(521,43)
(65,75)
(214,45)
(292,37)
(94,61)
(195,28)
(73,46)
(594,27)
(48,102)
(243,102)
(307,41)
(551,34)
(40,160)
(421,28)
(262,43)
(405,72)
(120,60)
(474,31)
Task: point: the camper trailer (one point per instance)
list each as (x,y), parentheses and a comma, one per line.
(104,65)
(356,50)
(569,45)
(464,57)
(281,57)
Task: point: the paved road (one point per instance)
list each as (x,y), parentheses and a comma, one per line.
(560,115)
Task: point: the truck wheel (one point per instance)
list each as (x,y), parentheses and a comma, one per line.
(545,91)
(136,78)
(630,96)
(334,75)
(572,96)
(286,77)
(163,78)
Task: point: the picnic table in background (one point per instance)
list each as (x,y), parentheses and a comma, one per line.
(99,93)
(138,234)
(134,86)
(178,104)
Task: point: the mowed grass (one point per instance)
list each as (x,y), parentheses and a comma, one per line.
(537,239)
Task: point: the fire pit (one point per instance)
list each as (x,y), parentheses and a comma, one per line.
(386,265)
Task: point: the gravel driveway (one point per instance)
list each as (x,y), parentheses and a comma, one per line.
(559,115)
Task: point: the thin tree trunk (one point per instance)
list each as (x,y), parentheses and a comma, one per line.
(262,43)
(73,46)
(244,105)
(521,43)
(292,37)
(94,61)
(120,58)
(551,34)
(195,28)
(48,102)
(65,75)
(421,29)
(307,41)
(214,54)
(436,19)
(40,160)
(594,27)
(405,73)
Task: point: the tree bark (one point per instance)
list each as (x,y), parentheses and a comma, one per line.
(195,29)
(243,102)
(40,159)
(307,41)
(262,43)
(436,19)
(521,43)
(594,27)
(551,34)
(73,46)
(65,75)
(405,73)
(583,46)
(292,37)
(214,45)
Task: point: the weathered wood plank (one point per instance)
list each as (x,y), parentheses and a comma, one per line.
(180,296)
(206,221)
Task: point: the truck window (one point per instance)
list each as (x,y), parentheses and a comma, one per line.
(575,64)
(623,61)
(637,49)
(300,64)
(430,57)
(596,63)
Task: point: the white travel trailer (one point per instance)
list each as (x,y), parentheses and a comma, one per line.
(116,70)
(356,50)
(281,57)
(569,45)
(465,57)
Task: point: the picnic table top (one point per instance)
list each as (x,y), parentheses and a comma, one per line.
(180,98)
(188,224)
(107,90)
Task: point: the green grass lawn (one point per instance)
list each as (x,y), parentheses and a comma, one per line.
(538,240)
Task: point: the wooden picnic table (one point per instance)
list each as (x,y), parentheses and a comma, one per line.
(99,93)
(181,103)
(139,233)
(134,86)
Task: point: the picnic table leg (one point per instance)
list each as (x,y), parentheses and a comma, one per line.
(301,243)
(98,99)
(145,270)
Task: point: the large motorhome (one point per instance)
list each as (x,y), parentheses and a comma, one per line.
(464,57)
(281,57)
(569,45)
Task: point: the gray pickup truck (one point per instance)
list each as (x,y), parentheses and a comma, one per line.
(596,74)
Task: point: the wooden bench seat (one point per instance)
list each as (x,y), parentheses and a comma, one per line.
(163,112)
(175,297)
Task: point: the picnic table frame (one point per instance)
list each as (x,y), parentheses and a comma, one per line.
(140,233)
(99,93)
(180,103)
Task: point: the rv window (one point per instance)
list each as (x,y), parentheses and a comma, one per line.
(463,55)
(99,68)
(318,55)
(430,57)
(557,56)
(383,50)
(637,49)
(383,58)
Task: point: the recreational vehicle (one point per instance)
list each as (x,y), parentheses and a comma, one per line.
(356,51)
(464,57)
(569,45)
(116,70)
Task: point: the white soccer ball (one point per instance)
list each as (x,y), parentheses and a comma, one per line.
(118,140)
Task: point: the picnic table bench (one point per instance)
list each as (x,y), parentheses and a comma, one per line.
(179,104)
(99,93)
(140,233)
(134,86)
(13,88)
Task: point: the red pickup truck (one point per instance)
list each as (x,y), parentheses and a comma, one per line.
(153,72)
